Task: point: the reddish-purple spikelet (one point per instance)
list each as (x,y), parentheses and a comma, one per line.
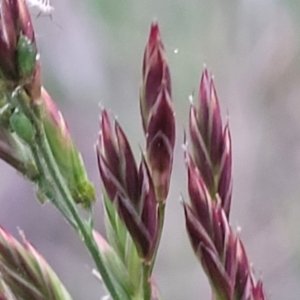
(131,189)
(230,254)
(203,104)
(149,212)
(199,150)
(161,117)
(225,179)
(215,127)
(199,195)
(128,168)
(109,181)
(211,144)
(155,70)
(218,233)
(107,143)
(133,222)
(157,113)
(116,161)
(216,273)
(197,232)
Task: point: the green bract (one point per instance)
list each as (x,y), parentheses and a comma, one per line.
(26,56)
(21,125)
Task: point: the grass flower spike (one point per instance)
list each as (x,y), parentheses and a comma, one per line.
(157,113)
(219,250)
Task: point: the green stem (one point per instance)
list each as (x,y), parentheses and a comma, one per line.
(63,190)
(161,221)
(47,188)
(147,269)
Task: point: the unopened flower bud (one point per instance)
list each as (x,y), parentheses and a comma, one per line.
(67,156)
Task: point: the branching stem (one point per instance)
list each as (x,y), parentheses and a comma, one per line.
(61,188)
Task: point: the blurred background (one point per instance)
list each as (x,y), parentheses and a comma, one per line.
(91,53)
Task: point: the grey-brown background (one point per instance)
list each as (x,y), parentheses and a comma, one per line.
(91,54)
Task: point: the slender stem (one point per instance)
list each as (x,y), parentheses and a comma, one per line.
(86,234)
(59,183)
(147,268)
(47,187)
(161,221)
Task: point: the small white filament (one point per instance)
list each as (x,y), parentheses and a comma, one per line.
(44,6)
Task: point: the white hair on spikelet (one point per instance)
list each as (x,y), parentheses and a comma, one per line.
(44,6)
